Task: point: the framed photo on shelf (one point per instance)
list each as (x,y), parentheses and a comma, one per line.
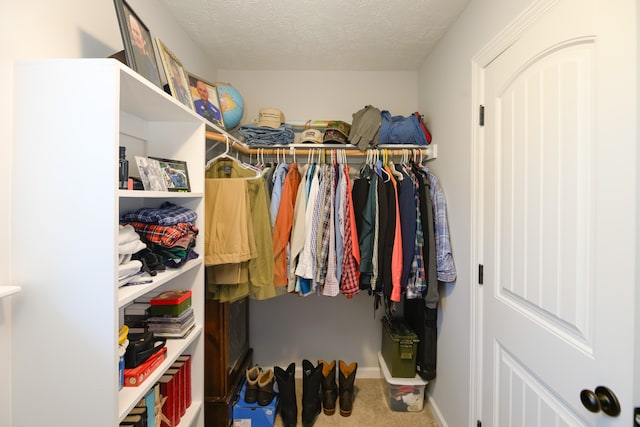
(138,45)
(151,174)
(205,99)
(174,174)
(176,76)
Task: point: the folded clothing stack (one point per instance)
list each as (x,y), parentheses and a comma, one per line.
(129,243)
(265,135)
(168,232)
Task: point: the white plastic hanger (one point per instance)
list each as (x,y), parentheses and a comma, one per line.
(226,156)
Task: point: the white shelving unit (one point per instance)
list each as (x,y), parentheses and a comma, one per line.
(71,115)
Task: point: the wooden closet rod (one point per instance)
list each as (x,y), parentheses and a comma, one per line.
(352,151)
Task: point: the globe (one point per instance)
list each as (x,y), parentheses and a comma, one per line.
(231,104)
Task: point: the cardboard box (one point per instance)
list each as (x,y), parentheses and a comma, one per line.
(251,414)
(399,348)
(404,394)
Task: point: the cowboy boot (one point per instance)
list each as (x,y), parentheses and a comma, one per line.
(311,379)
(251,393)
(287,392)
(265,387)
(347,376)
(329,387)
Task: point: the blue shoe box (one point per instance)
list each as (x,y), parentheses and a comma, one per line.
(251,414)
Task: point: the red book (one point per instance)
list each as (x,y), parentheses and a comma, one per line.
(180,408)
(136,376)
(180,366)
(171,297)
(168,395)
(187,374)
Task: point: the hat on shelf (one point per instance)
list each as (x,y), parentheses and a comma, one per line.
(337,132)
(311,135)
(270,117)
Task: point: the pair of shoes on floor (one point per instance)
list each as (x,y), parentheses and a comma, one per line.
(343,392)
(315,378)
(259,386)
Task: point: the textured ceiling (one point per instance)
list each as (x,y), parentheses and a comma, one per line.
(316,35)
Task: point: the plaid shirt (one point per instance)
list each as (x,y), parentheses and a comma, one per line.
(446,267)
(323,228)
(417,283)
(317,208)
(350,280)
(331,285)
(167,214)
(166,236)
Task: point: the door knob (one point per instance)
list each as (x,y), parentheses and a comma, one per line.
(602,399)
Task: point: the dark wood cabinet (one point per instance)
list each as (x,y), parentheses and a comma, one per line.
(226,355)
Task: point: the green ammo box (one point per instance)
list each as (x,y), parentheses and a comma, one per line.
(399,348)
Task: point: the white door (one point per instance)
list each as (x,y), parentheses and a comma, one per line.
(558,200)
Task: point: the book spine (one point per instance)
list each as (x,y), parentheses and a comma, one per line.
(180,366)
(167,399)
(187,368)
(177,378)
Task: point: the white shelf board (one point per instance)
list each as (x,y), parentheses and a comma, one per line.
(6,291)
(127,294)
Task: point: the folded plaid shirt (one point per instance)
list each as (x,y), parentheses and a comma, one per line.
(167,214)
(166,236)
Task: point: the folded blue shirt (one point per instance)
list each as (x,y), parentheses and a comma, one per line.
(167,214)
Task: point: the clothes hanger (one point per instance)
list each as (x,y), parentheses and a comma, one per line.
(223,155)
(227,156)
(392,169)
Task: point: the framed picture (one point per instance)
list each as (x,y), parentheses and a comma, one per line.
(205,100)
(151,174)
(176,76)
(138,45)
(174,173)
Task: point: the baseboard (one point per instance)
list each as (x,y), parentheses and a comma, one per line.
(368,372)
(436,412)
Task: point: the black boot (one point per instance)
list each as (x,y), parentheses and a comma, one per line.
(287,392)
(329,387)
(311,379)
(347,376)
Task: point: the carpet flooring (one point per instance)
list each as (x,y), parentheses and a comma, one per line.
(370,409)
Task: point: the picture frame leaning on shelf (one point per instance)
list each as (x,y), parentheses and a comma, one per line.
(205,100)
(176,76)
(138,44)
(150,174)
(174,174)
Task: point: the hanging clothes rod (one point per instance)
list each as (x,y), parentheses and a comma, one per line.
(429,152)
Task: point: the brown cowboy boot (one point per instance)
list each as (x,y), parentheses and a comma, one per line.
(347,377)
(329,387)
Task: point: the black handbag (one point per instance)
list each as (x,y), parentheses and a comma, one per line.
(141,347)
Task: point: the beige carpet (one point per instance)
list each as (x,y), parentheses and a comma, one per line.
(370,409)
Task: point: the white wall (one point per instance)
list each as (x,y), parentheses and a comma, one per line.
(63,29)
(290,328)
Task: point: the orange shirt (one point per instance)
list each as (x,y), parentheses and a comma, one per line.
(284,221)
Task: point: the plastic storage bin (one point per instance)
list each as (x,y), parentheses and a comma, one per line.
(404,394)
(399,348)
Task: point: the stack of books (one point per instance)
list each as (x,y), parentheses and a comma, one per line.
(171,315)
